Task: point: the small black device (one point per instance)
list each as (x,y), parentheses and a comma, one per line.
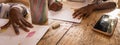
(106,25)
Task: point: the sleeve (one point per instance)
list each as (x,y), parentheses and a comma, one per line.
(4,8)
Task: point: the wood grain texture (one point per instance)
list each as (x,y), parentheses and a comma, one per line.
(83,34)
(118,3)
(53,36)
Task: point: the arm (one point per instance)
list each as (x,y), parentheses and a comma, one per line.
(103,6)
(87,10)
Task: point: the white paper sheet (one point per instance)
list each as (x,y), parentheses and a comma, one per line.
(66,12)
(9,37)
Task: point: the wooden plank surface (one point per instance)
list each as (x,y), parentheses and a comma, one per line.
(53,36)
(83,34)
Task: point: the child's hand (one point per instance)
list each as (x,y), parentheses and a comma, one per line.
(84,11)
(17,20)
(56,6)
(87,10)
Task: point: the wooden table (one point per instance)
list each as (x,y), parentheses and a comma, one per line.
(81,34)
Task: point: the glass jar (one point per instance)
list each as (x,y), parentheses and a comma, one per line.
(39,11)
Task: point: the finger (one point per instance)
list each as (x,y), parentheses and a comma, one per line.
(80,13)
(80,10)
(76,13)
(6,25)
(15,28)
(79,16)
(87,14)
(22,26)
(26,23)
(84,16)
(75,16)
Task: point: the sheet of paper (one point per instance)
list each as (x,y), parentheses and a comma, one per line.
(66,12)
(9,37)
(114,13)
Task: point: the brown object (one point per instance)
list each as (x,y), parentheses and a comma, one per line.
(56,6)
(56,25)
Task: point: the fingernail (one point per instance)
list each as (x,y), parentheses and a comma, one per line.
(31,26)
(27,30)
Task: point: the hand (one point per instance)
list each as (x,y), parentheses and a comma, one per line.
(17,20)
(56,6)
(84,11)
(87,10)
